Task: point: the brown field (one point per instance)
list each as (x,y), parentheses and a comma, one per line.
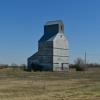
(72,85)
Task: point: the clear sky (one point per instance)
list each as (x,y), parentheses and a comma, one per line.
(21,25)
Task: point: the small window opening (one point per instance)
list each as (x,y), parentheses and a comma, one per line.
(61,28)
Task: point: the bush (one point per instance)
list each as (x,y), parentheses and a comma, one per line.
(79,68)
(36,67)
(80,64)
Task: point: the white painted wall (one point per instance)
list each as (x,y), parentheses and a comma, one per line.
(60,53)
(60,41)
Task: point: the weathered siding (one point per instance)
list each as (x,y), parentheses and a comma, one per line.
(52,48)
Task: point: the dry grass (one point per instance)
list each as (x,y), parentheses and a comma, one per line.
(19,85)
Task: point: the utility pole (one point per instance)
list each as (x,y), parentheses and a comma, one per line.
(85,58)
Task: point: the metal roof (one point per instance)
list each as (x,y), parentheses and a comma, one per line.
(51,28)
(54,22)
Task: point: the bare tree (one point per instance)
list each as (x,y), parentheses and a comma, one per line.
(79,64)
(79,61)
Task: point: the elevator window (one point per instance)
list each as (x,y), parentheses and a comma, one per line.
(61,28)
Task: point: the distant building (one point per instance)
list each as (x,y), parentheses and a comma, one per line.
(52,52)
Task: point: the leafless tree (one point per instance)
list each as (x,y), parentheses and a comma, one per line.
(79,64)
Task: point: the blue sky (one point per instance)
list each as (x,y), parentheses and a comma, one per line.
(21,25)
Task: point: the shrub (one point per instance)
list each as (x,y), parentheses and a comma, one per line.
(79,64)
(36,67)
(79,68)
